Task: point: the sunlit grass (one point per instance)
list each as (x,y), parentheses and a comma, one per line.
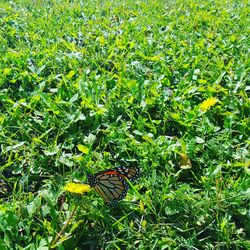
(91,85)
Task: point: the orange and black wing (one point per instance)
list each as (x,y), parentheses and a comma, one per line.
(131,173)
(109,185)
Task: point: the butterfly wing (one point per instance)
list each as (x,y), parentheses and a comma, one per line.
(109,185)
(131,173)
(112,188)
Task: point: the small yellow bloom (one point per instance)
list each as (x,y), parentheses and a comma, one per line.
(77,188)
(205,105)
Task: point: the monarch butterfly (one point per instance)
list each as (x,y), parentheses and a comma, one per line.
(111,184)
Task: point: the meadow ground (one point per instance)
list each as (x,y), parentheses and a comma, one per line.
(91,85)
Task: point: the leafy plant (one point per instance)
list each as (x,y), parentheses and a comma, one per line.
(91,85)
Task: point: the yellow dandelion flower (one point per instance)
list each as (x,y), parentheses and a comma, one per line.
(77,188)
(205,105)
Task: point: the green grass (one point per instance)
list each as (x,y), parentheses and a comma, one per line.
(126,79)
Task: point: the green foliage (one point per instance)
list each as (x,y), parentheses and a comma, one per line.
(88,85)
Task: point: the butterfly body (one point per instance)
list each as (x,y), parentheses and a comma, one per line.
(112,184)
